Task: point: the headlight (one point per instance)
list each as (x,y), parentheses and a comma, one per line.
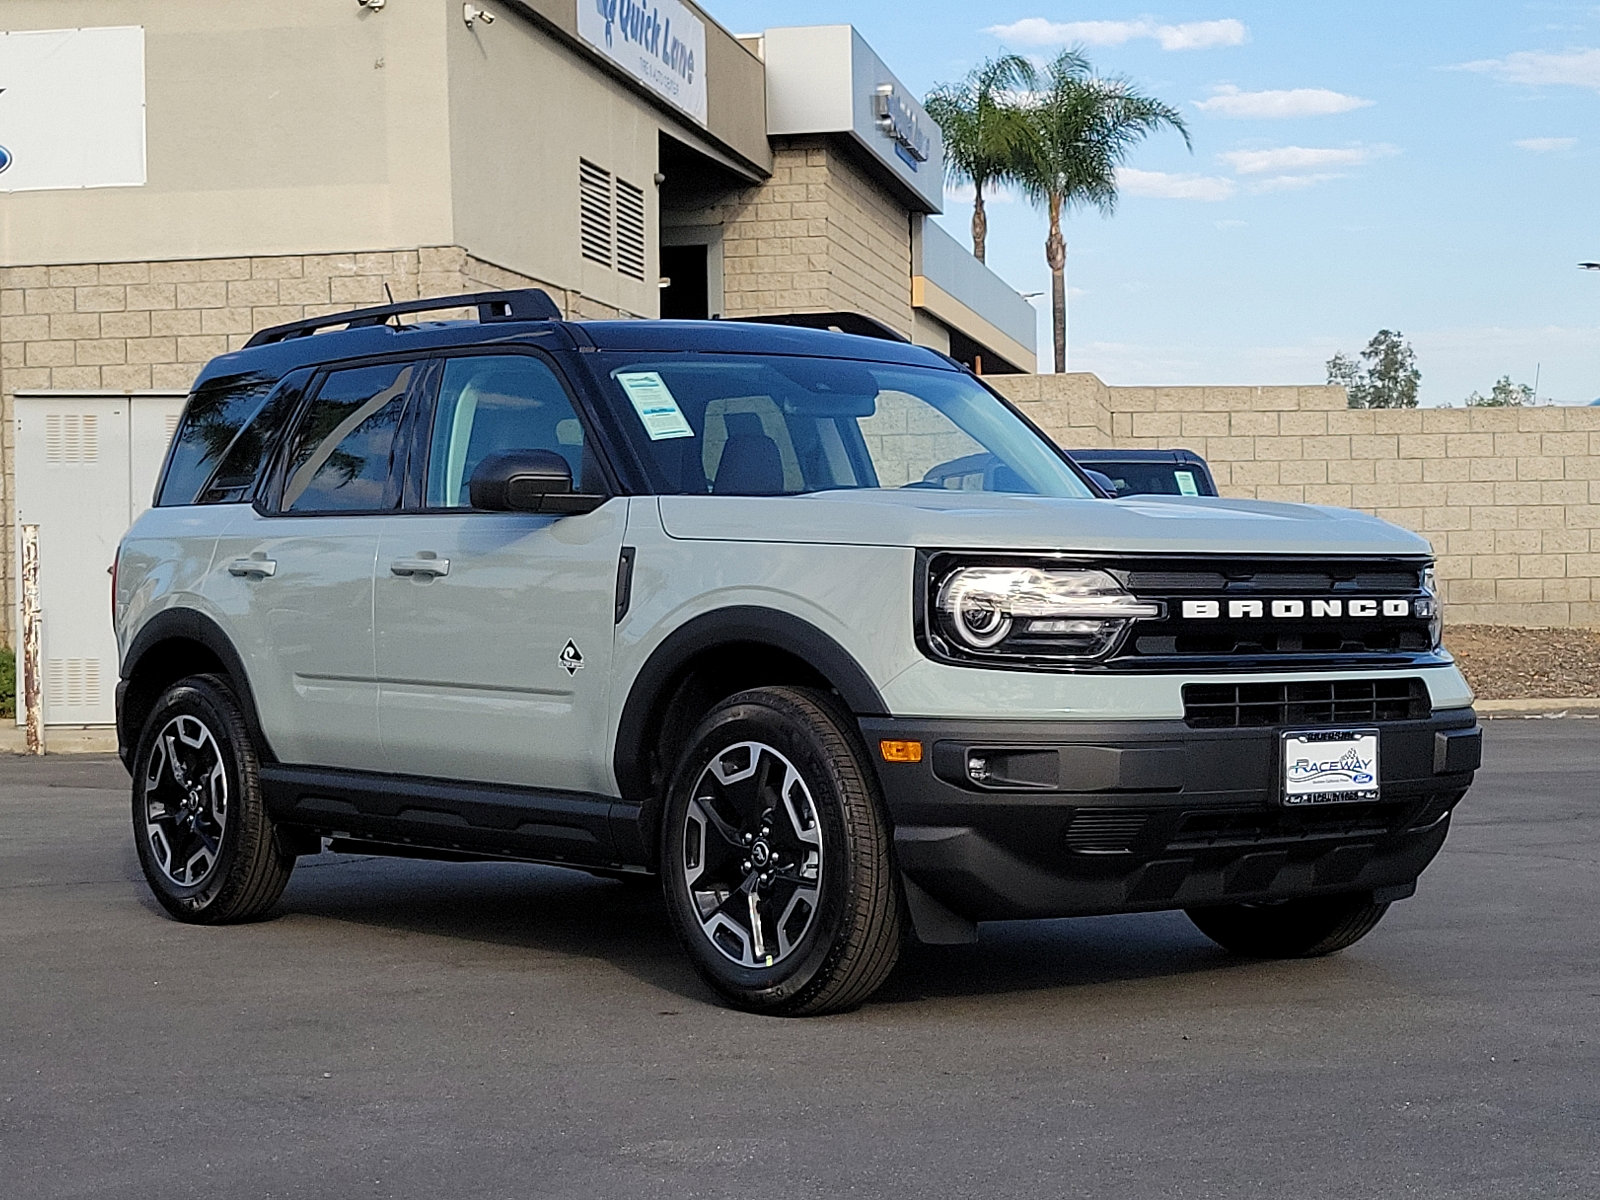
(1034,612)
(1429,605)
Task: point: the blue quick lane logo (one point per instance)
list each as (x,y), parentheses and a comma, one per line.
(1349,768)
(5,158)
(641,25)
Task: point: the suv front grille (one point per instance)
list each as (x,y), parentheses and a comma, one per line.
(1309,702)
(1230,610)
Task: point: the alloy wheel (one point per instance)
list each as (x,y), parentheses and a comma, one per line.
(185,801)
(752,854)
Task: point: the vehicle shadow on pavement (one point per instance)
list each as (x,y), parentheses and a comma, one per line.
(1034,956)
(568,913)
(518,907)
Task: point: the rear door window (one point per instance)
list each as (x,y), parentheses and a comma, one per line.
(342,455)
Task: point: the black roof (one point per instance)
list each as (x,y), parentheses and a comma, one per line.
(374,331)
(1137,456)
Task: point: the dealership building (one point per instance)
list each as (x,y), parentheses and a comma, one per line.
(175,174)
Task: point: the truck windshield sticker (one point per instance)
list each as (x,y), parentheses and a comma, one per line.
(657,408)
(1186,485)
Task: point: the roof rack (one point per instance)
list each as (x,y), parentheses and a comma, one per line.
(842,322)
(525,304)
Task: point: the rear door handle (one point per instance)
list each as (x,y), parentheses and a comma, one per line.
(253,568)
(432,567)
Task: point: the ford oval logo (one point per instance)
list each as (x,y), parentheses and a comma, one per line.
(5,158)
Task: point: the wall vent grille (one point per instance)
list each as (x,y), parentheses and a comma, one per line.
(630,230)
(595,224)
(71,439)
(72,682)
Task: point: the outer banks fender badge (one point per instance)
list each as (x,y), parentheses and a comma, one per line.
(571,658)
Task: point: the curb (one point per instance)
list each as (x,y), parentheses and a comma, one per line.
(1571,706)
(61,739)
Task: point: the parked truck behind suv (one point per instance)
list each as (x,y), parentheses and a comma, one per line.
(705,601)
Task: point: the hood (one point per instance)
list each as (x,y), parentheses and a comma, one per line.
(986,521)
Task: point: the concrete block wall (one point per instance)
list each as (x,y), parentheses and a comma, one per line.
(153,325)
(816,237)
(1509,498)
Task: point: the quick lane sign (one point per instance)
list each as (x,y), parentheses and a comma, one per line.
(660,43)
(72,108)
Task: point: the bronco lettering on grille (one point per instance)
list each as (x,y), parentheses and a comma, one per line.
(1210,610)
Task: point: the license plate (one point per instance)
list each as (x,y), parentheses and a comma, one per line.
(1335,766)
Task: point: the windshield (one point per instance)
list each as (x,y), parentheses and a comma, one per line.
(748,425)
(1153,479)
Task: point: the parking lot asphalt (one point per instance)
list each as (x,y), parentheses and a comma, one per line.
(413,1029)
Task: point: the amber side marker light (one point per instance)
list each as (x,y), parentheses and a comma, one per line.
(903,752)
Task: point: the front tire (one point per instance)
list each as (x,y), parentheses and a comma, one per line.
(775,857)
(1306,928)
(208,849)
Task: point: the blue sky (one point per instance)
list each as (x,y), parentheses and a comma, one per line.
(1427,167)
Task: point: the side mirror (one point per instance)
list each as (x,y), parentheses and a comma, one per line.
(533,481)
(1102,481)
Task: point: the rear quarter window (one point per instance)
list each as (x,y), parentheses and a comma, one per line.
(212,419)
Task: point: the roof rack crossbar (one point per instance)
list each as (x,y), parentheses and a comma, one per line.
(844,322)
(526,304)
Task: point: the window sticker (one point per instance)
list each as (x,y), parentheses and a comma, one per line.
(1186,485)
(657,408)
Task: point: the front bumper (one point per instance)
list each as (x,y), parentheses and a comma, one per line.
(1076,818)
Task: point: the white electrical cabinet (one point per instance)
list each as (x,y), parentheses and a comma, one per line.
(86,466)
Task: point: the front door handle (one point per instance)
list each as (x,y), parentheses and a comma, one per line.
(253,568)
(429,567)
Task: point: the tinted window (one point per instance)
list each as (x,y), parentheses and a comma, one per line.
(493,403)
(344,446)
(749,425)
(234,480)
(212,419)
(1155,479)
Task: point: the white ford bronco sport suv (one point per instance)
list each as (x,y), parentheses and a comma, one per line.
(698,599)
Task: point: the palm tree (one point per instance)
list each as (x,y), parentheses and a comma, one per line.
(983,129)
(1081,127)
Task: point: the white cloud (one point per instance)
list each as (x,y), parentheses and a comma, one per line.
(1539,68)
(1546,145)
(1231,223)
(1285,159)
(1191,35)
(1163,186)
(1229,101)
(1294,183)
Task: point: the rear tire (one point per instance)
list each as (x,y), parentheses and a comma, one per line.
(775,857)
(209,851)
(1306,928)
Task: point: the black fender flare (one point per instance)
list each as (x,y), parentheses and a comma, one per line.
(187,625)
(737,625)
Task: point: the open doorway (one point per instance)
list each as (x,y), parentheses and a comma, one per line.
(685,282)
(693,188)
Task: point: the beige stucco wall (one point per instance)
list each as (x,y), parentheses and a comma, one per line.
(1510,498)
(819,236)
(296,126)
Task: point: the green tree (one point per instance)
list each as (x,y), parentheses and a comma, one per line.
(1081,128)
(1504,394)
(983,126)
(1385,375)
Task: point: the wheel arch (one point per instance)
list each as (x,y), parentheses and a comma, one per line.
(724,652)
(173,645)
